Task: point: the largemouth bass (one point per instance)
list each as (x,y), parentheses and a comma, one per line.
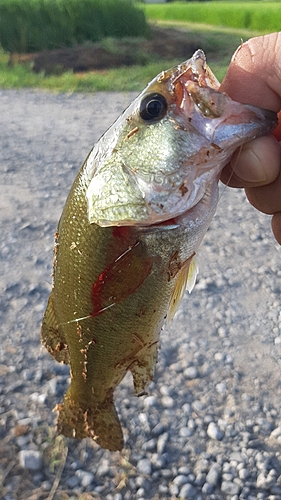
(127,238)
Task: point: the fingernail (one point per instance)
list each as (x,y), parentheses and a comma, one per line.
(247,165)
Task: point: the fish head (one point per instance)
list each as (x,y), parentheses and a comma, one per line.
(159,158)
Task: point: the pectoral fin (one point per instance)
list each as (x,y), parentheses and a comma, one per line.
(185,280)
(51,335)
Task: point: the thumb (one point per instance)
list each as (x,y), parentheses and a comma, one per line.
(254,74)
(254,77)
(255,164)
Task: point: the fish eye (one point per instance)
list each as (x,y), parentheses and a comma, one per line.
(153,107)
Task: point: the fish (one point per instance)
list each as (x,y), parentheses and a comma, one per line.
(126,244)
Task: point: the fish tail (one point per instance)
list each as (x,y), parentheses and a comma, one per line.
(101,422)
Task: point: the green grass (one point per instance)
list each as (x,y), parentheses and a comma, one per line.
(218,43)
(133,78)
(264,17)
(34,25)
(121,79)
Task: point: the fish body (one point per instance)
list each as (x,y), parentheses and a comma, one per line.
(126,241)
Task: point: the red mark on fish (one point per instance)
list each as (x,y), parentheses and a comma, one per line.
(120,279)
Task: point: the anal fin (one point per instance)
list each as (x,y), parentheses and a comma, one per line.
(185,280)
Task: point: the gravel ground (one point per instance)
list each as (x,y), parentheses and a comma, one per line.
(210,427)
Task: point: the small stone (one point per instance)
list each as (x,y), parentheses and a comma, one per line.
(214,431)
(150,402)
(207,488)
(243,473)
(118,496)
(103,469)
(180,480)
(142,482)
(25,422)
(163,489)
(38,398)
(158,429)
(158,461)
(87,479)
(22,441)
(198,406)
(30,459)
(230,488)
(221,388)
(276,432)
(167,402)
(227,476)
(213,475)
(185,432)
(161,443)
(149,445)
(166,473)
(200,479)
(191,372)
(144,466)
(72,481)
(52,387)
(186,408)
(235,455)
(187,491)
(165,390)
(264,482)
(75,465)
(184,470)
(46,486)
(27,374)
(174,490)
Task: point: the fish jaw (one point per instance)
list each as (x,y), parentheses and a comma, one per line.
(157,168)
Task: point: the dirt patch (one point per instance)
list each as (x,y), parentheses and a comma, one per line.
(165,43)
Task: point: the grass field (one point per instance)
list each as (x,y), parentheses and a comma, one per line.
(264,17)
(34,25)
(221,41)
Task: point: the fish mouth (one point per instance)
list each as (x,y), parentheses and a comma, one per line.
(193,70)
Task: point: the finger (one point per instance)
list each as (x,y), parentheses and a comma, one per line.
(254,74)
(266,199)
(256,163)
(276,226)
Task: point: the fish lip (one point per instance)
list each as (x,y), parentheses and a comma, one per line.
(196,70)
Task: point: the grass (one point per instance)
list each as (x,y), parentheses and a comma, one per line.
(133,78)
(34,25)
(264,17)
(219,44)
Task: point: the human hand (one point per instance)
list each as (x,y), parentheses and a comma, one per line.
(254,77)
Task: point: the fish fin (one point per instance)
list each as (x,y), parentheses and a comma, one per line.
(192,274)
(101,422)
(51,335)
(143,369)
(185,280)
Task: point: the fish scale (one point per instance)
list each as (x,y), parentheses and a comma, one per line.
(127,238)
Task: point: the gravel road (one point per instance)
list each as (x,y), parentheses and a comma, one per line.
(210,427)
